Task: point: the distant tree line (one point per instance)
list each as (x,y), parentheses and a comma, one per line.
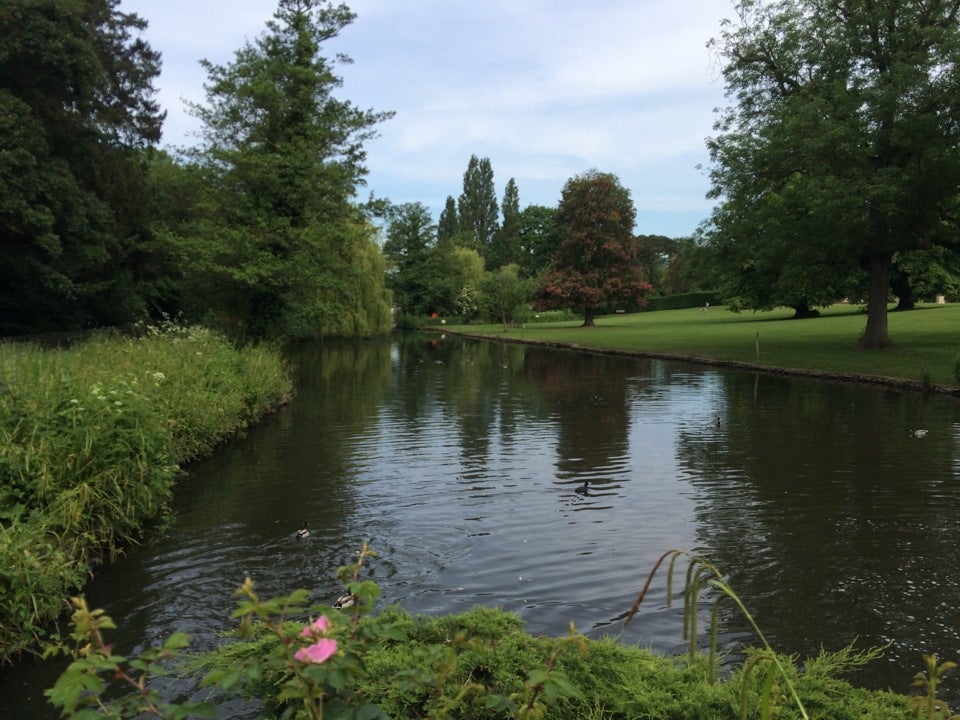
(484,260)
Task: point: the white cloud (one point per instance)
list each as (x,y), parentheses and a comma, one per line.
(545,88)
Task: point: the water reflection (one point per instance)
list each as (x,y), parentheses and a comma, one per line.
(835,520)
(548,482)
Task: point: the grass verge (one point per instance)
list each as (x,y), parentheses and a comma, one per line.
(926,352)
(91,440)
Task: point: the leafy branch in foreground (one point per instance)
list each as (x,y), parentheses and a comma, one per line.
(79,691)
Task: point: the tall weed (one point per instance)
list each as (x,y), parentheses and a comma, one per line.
(91,440)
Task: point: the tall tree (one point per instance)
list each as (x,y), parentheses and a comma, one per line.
(427,275)
(411,237)
(845,134)
(76,108)
(285,158)
(539,237)
(596,265)
(477,206)
(505,245)
(448,226)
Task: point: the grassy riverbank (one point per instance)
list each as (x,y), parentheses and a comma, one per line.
(927,339)
(91,440)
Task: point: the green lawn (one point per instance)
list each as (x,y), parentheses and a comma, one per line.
(927,339)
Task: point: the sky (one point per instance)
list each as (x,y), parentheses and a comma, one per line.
(546,89)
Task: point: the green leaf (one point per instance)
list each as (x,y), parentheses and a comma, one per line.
(369,712)
(559,685)
(177,641)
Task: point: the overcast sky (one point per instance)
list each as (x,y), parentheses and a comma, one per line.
(547,89)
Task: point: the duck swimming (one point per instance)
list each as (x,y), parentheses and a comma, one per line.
(303,532)
(345,601)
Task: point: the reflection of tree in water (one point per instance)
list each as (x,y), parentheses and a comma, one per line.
(588,400)
(826,512)
(478,389)
(337,384)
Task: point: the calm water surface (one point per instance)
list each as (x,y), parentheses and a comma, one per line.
(460,462)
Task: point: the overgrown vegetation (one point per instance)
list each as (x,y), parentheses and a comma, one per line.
(91,440)
(312,662)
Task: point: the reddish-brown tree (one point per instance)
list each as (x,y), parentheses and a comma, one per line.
(596,265)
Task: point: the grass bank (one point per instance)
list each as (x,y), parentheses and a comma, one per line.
(91,441)
(927,341)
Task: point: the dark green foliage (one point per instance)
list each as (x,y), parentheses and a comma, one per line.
(277,243)
(505,245)
(76,108)
(843,147)
(540,236)
(477,207)
(411,249)
(449,225)
(685,300)
(692,267)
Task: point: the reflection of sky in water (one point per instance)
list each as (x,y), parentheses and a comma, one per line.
(464,465)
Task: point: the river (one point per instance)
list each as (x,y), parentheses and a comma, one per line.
(548,482)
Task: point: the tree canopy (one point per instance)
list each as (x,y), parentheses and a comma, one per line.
(505,245)
(841,146)
(76,108)
(283,243)
(477,207)
(596,263)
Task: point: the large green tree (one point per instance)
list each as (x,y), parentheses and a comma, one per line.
(505,245)
(477,208)
(596,264)
(76,109)
(411,237)
(449,225)
(283,242)
(539,237)
(844,135)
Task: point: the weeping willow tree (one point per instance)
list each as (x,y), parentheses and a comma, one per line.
(280,248)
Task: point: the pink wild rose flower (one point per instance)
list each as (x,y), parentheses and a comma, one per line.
(317,653)
(317,627)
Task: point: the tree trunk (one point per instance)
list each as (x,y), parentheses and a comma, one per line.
(875,335)
(588,318)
